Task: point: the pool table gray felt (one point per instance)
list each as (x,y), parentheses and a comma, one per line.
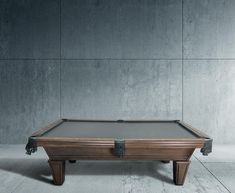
(124,130)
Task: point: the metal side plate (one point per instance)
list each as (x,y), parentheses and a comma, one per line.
(119,147)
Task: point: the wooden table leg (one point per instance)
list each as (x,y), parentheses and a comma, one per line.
(180,169)
(58,171)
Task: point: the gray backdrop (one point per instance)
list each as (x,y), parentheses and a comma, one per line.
(117,59)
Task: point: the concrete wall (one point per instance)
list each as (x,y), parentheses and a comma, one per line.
(116,59)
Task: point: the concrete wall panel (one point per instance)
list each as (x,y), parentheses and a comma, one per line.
(29,97)
(209,93)
(29,29)
(121,89)
(121,29)
(209,28)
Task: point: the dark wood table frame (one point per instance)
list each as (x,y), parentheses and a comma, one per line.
(60,149)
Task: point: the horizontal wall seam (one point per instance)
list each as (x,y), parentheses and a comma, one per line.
(127,59)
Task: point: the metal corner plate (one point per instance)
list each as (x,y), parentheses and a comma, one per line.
(31,146)
(207,148)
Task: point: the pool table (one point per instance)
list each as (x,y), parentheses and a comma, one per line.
(163,140)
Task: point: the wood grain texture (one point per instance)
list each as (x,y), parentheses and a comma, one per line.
(130,154)
(58,171)
(43,130)
(180,169)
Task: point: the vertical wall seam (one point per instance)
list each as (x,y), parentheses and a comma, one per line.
(60,56)
(182,59)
